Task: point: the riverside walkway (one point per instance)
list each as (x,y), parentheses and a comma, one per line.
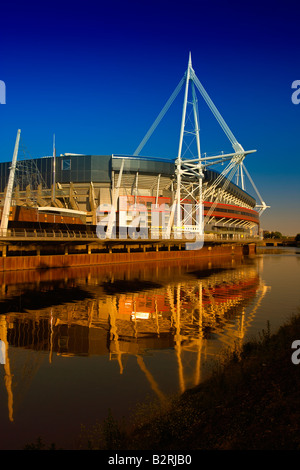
(33,236)
(32,249)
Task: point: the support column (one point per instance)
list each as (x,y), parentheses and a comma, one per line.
(9,189)
(112,215)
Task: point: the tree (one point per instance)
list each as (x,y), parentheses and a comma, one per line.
(268,234)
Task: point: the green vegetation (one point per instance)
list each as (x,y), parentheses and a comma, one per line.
(40,445)
(250,402)
(268,234)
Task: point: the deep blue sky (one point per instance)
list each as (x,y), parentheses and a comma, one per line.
(98,73)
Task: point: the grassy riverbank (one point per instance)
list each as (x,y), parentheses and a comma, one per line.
(252,401)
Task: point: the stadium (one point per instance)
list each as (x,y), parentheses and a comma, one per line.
(85,182)
(81,192)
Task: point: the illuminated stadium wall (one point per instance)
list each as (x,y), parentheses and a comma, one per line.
(83,182)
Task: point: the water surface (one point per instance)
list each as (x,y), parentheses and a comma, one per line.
(79,342)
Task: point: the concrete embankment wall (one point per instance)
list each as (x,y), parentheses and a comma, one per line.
(14,263)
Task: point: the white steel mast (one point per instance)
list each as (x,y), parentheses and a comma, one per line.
(178,161)
(54,169)
(186,167)
(187,170)
(9,190)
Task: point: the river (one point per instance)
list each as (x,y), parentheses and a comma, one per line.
(79,342)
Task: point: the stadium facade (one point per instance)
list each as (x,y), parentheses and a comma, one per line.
(70,188)
(73,186)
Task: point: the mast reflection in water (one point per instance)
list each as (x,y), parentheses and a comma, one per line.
(154,329)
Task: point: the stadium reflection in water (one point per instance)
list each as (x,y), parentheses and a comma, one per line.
(190,310)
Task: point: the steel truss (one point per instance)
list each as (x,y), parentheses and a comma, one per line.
(189,173)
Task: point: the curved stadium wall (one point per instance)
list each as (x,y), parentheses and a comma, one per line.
(83,182)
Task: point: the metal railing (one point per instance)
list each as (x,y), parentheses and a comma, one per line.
(36,234)
(71,234)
